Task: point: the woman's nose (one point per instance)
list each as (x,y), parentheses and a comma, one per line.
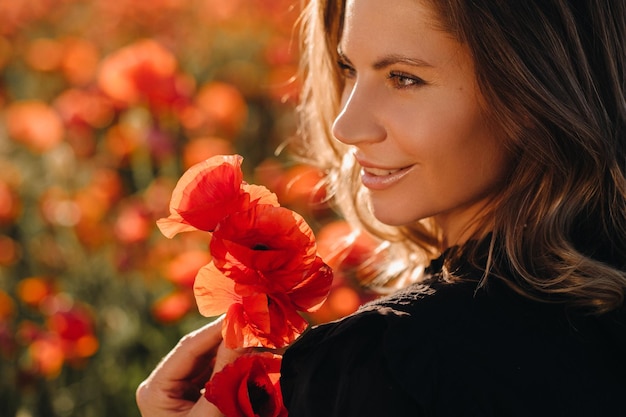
(357,122)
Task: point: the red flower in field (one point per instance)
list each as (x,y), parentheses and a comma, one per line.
(80,108)
(182,270)
(201,148)
(7,306)
(68,336)
(74,325)
(220,108)
(11,204)
(254,379)
(145,71)
(46,355)
(133,224)
(33,291)
(302,187)
(210,191)
(172,307)
(35,124)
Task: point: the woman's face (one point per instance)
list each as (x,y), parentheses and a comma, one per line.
(412,110)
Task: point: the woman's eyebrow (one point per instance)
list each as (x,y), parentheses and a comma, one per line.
(389,60)
(392,59)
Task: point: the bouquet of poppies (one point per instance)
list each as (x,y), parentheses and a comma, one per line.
(264,271)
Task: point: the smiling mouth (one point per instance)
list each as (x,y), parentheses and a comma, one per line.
(378,172)
(382,178)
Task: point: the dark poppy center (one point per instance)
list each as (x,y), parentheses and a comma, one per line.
(259,399)
(260,246)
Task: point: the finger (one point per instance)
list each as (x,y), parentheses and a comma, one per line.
(205,408)
(174,382)
(198,346)
(226,355)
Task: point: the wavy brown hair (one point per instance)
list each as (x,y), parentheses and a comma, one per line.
(553,73)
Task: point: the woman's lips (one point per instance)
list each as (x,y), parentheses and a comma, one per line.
(380,171)
(382,178)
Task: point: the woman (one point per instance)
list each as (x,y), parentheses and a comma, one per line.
(491,133)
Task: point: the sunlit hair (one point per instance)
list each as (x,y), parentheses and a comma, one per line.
(553,73)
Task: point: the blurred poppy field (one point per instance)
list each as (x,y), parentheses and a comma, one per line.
(103,105)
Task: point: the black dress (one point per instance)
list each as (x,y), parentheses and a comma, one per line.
(456,351)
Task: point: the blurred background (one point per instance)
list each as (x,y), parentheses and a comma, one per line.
(103,105)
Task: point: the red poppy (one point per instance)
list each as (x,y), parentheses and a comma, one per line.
(182,270)
(7,306)
(11,204)
(268,246)
(220,108)
(35,124)
(74,327)
(254,378)
(264,268)
(33,291)
(254,318)
(145,71)
(172,307)
(208,192)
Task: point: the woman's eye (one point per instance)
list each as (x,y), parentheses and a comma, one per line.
(346,70)
(400,80)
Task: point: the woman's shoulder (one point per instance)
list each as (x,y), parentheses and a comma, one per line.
(480,344)
(417,310)
(369,353)
(449,312)
(433,313)
(342,368)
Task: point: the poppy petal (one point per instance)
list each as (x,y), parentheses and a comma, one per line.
(206,193)
(311,293)
(260,195)
(246,323)
(213,291)
(251,244)
(286,323)
(205,201)
(173,225)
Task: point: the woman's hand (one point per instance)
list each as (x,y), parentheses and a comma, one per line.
(173,389)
